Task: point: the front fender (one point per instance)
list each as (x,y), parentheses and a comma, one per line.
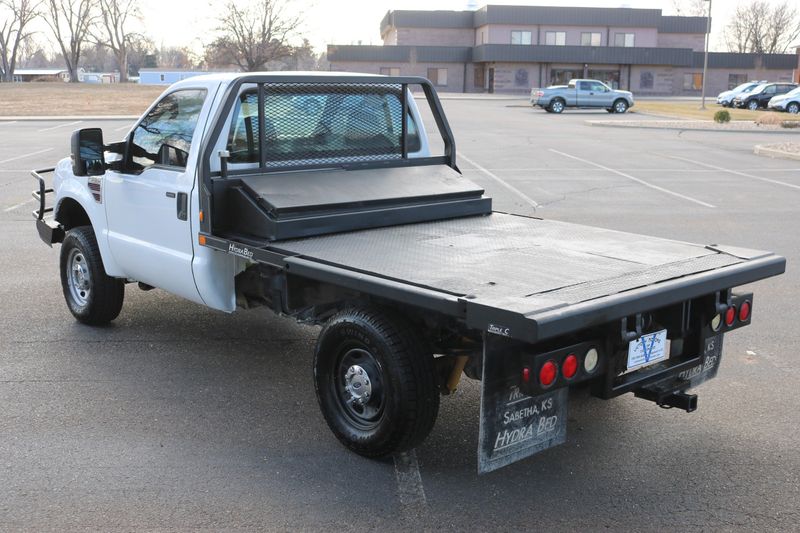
(70,187)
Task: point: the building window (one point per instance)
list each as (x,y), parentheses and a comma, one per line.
(609,77)
(480,78)
(161,77)
(590,39)
(438,76)
(646,80)
(390,71)
(692,81)
(734,80)
(555,38)
(624,39)
(520,37)
(562,76)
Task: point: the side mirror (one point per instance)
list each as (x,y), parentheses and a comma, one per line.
(88,158)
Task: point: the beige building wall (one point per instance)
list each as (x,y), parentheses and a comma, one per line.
(455,71)
(430,36)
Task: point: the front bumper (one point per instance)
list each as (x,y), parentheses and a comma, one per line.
(49,230)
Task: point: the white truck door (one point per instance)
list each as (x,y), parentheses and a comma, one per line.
(147,205)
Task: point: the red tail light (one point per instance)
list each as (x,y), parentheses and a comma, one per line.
(539,93)
(570,366)
(526,374)
(548,373)
(730,315)
(744,311)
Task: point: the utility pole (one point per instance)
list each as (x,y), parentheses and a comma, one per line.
(705,59)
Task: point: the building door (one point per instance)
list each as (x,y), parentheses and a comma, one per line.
(491,79)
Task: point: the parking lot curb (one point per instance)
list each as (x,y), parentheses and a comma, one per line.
(67,117)
(766,151)
(611,124)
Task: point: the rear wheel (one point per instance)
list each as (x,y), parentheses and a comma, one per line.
(752,105)
(92,296)
(375,382)
(620,106)
(793,108)
(557,105)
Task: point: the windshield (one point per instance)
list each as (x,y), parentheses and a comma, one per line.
(745,87)
(758,88)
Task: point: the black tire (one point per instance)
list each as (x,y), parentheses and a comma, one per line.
(399,374)
(92,296)
(557,105)
(793,108)
(620,106)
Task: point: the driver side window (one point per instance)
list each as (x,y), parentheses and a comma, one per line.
(164,136)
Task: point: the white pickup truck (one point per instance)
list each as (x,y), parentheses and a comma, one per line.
(317,195)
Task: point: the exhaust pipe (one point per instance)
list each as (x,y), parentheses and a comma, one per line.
(668,399)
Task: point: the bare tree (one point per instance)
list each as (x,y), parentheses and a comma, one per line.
(690,8)
(112,30)
(69,22)
(254,33)
(15,16)
(763,27)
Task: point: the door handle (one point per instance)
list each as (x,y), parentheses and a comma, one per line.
(183,205)
(170,195)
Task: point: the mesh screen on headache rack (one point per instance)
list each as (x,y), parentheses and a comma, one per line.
(313,123)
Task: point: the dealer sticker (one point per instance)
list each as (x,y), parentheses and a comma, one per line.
(648,349)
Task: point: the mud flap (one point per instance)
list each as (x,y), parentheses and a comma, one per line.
(513,425)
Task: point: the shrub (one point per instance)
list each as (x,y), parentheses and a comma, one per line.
(791,124)
(721,117)
(773,119)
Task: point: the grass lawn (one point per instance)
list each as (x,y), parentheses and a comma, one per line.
(691,110)
(59,99)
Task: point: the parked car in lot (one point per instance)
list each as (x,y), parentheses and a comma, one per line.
(789,102)
(581,93)
(725,98)
(761,95)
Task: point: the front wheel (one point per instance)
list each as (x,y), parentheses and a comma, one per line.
(793,108)
(752,105)
(375,382)
(92,296)
(620,106)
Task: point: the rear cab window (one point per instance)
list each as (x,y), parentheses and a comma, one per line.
(311,124)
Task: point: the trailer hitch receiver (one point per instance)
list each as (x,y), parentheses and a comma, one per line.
(669,399)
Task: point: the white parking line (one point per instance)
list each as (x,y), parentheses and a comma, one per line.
(25,155)
(678,170)
(3,123)
(501,181)
(736,172)
(124,128)
(13,207)
(637,180)
(60,126)
(409,484)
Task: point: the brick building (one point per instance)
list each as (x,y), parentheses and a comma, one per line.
(510,49)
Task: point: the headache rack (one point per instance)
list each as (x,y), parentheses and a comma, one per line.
(368,151)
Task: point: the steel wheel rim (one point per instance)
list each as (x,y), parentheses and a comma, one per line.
(79,277)
(557,107)
(620,107)
(793,109)
(357,372)
(752,106)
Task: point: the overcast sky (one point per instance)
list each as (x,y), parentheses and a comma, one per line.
(190,22)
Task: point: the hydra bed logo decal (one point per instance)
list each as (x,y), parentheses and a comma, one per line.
(241,252)
(499,330)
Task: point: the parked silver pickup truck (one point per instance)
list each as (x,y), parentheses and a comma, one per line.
(581,93)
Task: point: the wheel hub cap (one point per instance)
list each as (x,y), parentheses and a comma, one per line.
(358,384)
(79,279)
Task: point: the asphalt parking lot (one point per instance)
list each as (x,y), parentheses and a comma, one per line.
(177,417)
